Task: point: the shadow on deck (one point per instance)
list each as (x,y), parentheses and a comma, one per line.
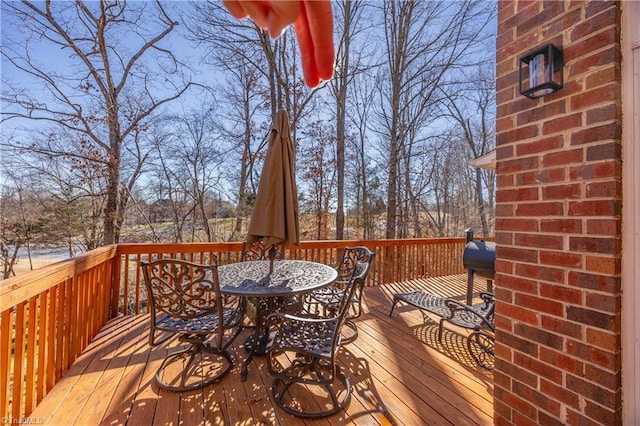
(399,372)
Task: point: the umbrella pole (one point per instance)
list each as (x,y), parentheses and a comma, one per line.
(272,257)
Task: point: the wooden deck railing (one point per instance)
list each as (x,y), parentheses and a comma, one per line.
(48,316)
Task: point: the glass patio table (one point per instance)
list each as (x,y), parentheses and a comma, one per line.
(252,280)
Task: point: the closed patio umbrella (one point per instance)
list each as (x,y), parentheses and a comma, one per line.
(274,219)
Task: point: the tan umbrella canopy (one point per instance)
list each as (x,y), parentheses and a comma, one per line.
(274,219)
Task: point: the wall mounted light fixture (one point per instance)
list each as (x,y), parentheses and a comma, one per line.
(541,71)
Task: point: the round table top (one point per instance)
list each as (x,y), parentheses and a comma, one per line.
(289,277)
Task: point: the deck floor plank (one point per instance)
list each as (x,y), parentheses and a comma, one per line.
(399,372)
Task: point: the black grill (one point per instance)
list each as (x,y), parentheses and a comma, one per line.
(479,257)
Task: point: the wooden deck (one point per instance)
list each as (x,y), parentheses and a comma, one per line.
(399,373)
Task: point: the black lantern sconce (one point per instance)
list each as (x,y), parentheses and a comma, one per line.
(541,71)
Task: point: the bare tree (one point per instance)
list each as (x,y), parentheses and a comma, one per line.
(473,110)
(425,41)
(94,81)
(318,169)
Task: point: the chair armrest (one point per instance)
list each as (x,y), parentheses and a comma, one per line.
(467,316)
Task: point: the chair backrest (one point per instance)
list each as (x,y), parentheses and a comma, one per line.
(182,289)
(489,308)
(355,282)
(356,259)
(258,251)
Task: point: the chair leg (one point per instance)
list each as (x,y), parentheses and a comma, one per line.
(440,327)
(351,335)
(393,305)
(193,376)
(281,389)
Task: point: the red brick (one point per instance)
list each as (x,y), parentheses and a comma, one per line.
(592,354)
(543,112)
(604,151)
(505,123)
(602,264)
(562,124)
(590,390)
(576,418)
(606,189)
(539,209)
(604,113)
(504,153)
(517,373)
(550,242)
(504,238)
(594,24)
(550,175)
(539,304)
(560,393)
(562,158)
(561,360)
(603,339)
(591,317)
(595,7)
(504,39)
(561,293)
(506,81)
(519,165)
(602,77)
(544,273)
(596,96)
(561,192)
(559,25)
(604,227)
(565,226)
(604,415)
(594,208)
(561,258)
(526,178)
(589,63)
(504,181)
(560,326)
(517,313)
(519,133)
(521,420)
(611,131)
(547,420)
(517,194)
(503,323)
(594,42)
(603,302)
(517,224)
(550,10)
(536,334)
(541,400)
(515,402)
(593,281)
(517,253)
(540,145)
(519,284)
(603,169)
(502,210)
(594,245)
(520,103)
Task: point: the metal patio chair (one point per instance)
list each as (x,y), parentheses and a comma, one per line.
(185,300)
(302,359)
(478,317)
(326,300)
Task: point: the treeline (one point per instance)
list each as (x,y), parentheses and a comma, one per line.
(144,113)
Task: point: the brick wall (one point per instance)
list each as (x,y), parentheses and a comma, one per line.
(558,220)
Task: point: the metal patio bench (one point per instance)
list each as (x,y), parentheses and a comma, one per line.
(477,317)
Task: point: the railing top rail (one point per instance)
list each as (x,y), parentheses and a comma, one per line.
(135,248)
(22,287)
